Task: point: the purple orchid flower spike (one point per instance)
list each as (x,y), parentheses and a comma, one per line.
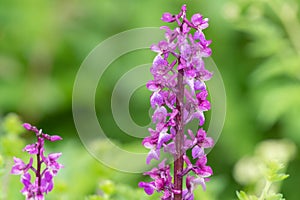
(46,168)
(179,95)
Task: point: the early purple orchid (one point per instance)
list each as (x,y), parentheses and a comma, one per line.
(179,96)
(46,166)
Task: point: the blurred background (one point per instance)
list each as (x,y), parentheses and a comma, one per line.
(256,46)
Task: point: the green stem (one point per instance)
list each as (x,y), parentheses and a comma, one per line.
(265,190)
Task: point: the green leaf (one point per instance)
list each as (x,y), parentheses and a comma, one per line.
(276,66)
(270,110)
(273,172)
(242,195)
(277,177)
(275,197)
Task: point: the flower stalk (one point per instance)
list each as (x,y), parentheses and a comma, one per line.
(46,166)
(179,96)
(179,138)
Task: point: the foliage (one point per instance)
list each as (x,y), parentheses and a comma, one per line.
(273,28)
(272,175)
(263,171)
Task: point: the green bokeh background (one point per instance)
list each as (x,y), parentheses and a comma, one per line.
(256,46)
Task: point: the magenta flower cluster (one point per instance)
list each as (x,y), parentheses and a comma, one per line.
(46,166)
(179,96)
